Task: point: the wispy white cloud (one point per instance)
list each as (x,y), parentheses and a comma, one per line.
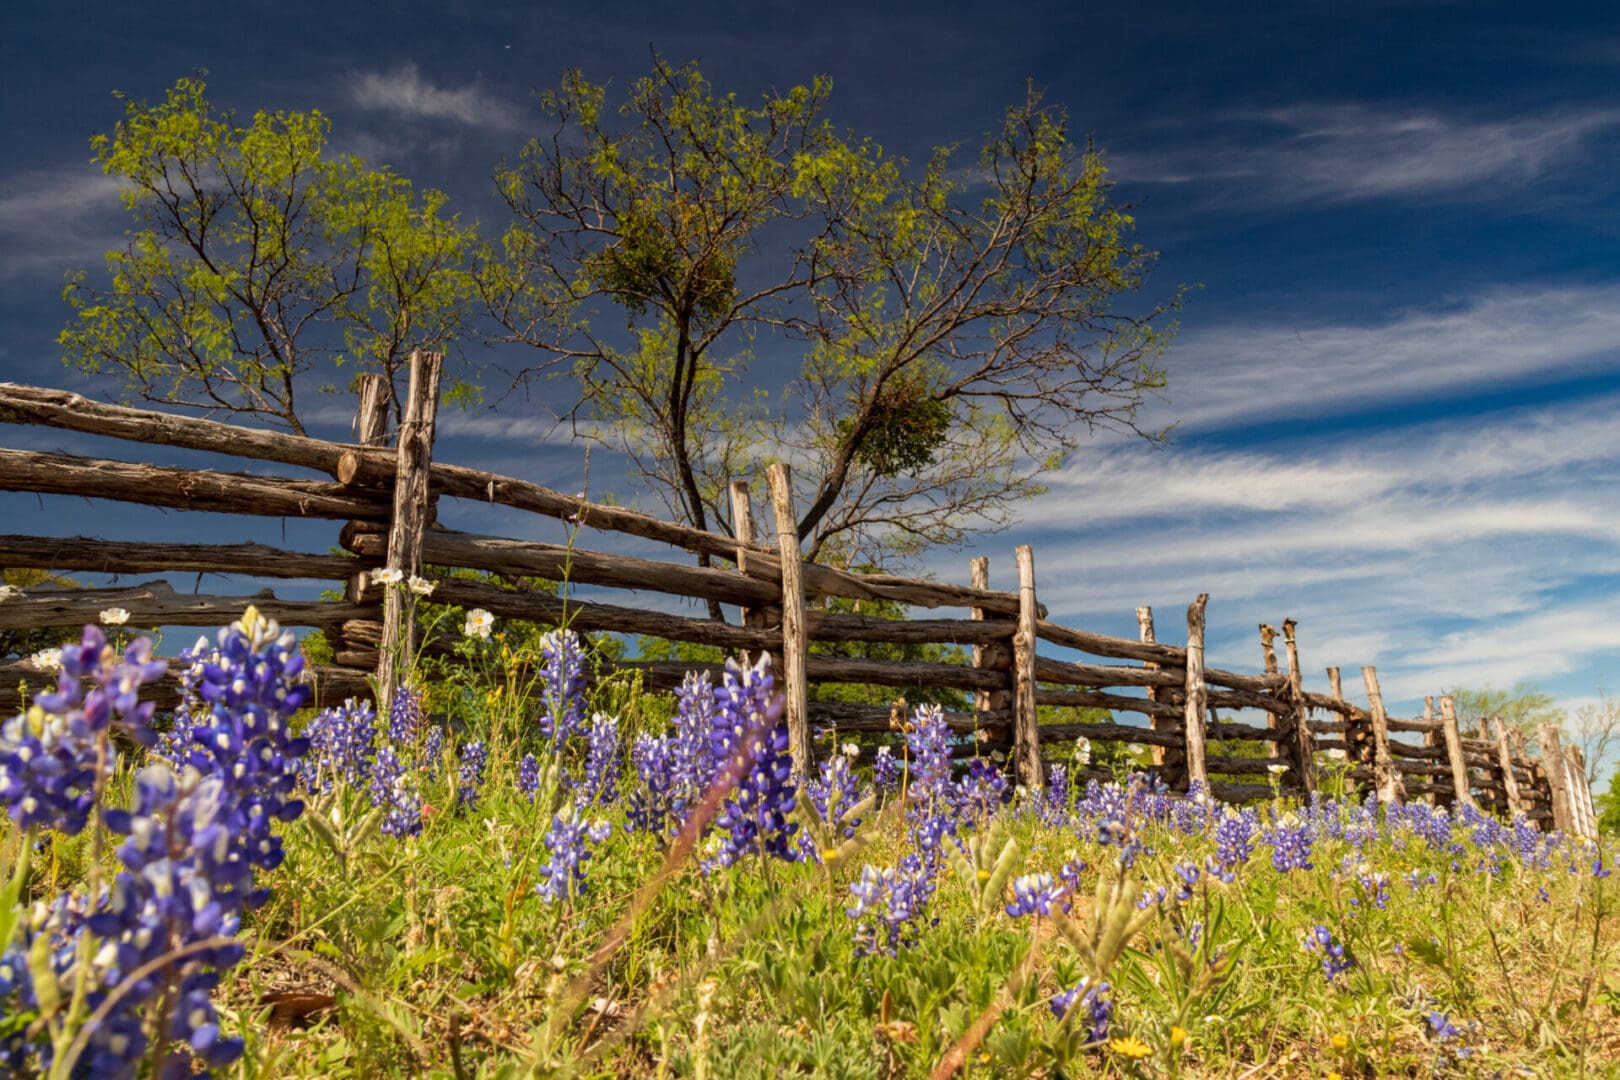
(1443,553)
(1502,336)
(1352,152)
(404,91)
(59,220)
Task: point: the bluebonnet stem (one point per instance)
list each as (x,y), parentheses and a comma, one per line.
(600,784)
(568,839)
(1088,1002)
(1334,961)
(49,755)
(405,718)
(470,773)
(893,901)
(528,777)
(755,741)
(564,675)
(341,745)
(393,786)
(1036,894)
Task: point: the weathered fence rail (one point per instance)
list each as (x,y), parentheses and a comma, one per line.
(389,503)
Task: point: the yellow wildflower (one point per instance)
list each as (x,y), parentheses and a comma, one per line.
(1130,1046)
(984,875)
(1178,1035)
(1340,1041)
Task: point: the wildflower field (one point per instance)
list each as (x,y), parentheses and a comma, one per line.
(500,874)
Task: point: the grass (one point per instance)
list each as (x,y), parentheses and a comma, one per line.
(1469,953)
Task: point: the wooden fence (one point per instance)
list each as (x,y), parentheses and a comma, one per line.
(385,503)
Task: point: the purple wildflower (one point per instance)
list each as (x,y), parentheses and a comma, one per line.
(1089,1001)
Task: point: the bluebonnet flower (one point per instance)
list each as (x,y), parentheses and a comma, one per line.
(405,718)
(657,804)
(1056,806)
(1188,873)
(470,773)
(749,730)
(833,792)
(981,792)
(194,838)
(600,784)
(1290,846)
(930,743)
(432,753)
(1334,961)
(1444,1033)
(1235,838)
(1069,873)
(49,754)
(1374,888)
(886,770)
(528,777)
(1106,808)
(1035,894)
(394,787)
(1088,1001)
(693,751)
(1598,869)
(893,901)
(568,839)
(340,745)
(564,675)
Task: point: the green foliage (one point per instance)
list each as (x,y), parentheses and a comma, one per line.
(256,257)
(1524,706)
(1608,807)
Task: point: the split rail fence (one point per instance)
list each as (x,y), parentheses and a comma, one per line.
(388,497)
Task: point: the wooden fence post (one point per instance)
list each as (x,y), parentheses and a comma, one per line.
(1197,697)
(1509,781)
(1172,763)
(370,429)
(1433,740)
(795,687)
(1302,748)
(1552,758)
(989,658)
(412,502)
(1454,752)
(742,527)
(1386,780)
(1582,789)
(1268,654)
(1026,726)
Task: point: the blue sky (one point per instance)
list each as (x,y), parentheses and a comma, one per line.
(1396,378)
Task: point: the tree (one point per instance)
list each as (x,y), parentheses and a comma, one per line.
(257,259)
(1608,807)
(1596,729)
(943,336)
(1525,706)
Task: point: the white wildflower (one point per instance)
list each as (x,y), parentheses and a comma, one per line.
(883,751)
(479,624)
(1334,755)
(49,659)
(114,616)
(421,586)
(1276,770)
(1082,752)
(390,576)
(852,750)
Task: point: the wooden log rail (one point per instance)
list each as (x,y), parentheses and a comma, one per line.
(362,472)
(133,557)
(155,603)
